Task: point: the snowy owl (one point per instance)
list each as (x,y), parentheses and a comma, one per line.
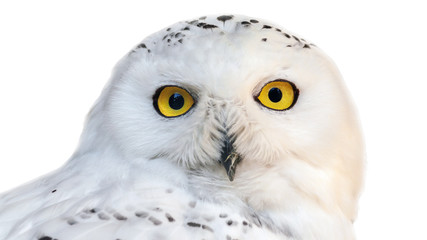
(223,127)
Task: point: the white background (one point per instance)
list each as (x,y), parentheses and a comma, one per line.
(56,57)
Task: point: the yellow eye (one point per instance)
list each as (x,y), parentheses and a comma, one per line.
(278,95)
(172,101)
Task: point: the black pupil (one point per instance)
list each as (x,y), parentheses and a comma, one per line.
(275,95)
(176,101)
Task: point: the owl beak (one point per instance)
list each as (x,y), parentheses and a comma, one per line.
(229,157)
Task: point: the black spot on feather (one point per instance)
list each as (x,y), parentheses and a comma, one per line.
(193,224)
(103,216)
(209,26)
(154,220)
(224,18)
(71,222)
(120,217)
(201,24)
(141,45)
(205,227)
(45,238)
(169,217)
(193,22)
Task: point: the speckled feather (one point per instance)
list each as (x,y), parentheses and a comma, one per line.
(138,175)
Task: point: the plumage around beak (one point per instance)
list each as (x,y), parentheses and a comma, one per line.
(229,157)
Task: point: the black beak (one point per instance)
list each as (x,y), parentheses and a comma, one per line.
(229,157)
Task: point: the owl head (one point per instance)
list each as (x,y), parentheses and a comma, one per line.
(239,105)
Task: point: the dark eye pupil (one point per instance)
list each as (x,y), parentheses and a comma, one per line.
(275,95)
(176,101)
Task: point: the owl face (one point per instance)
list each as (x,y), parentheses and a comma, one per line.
(232,95)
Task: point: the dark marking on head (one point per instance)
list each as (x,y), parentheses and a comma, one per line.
(266,27)
(91,211)
(169,217)
(205,227)
(245,223)
(141,214)
(264,39)
(254,21)
(287,35)
(192,204)
(141,45)
(54,190)
(245,23)
(229,222)
(223,215)
(180,40)
(201,24)
(120,217)
(202,18)
(288,45)
(154,220)
(277,29)
(165,36)
(224,18)
(193,22)
(306,46)
(185,29)
(71,221)
(178,34)
(302,39)
(103,216)
(169,40)
(168,29)
(45,238)
(148,50)
(193,224)
(296,38)
(209,26)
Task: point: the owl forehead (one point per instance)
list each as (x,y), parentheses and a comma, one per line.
(210,32)
(211,52)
